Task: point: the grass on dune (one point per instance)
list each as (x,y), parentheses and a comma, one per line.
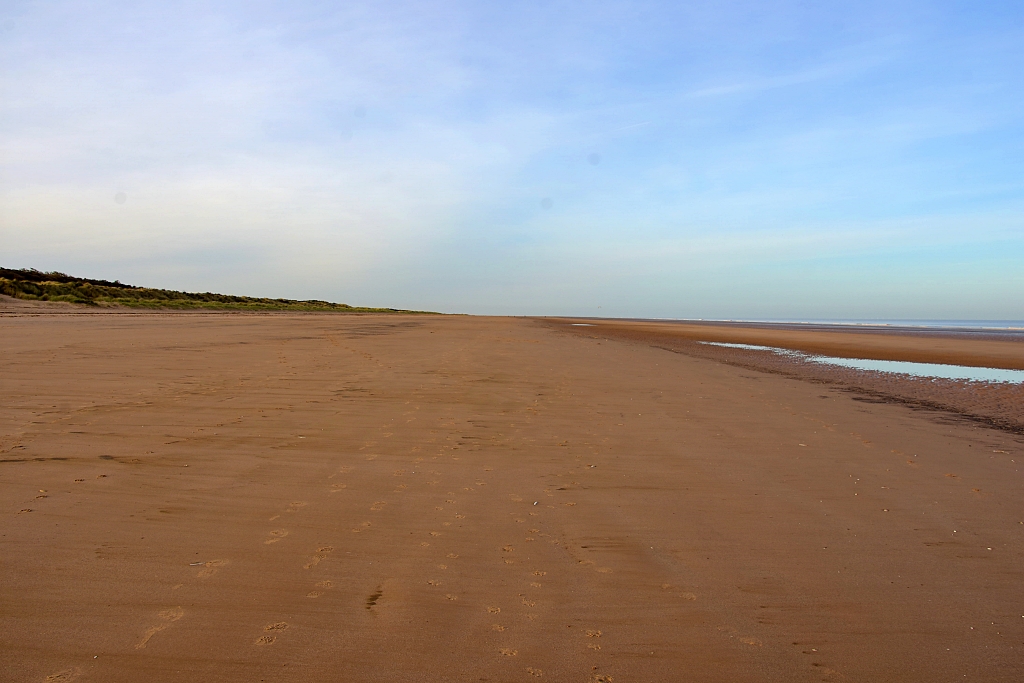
(34,285)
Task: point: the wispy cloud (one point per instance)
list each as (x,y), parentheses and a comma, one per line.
(376,149)
(804,76)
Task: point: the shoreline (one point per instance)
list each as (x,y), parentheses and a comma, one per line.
(982,348)
(993,405)
(871,325)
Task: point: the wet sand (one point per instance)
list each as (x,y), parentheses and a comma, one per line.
(975,348)
(218,497)
(999,404)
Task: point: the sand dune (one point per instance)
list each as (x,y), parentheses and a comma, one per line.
(218,497)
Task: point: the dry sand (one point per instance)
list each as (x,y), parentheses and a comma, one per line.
(217,497)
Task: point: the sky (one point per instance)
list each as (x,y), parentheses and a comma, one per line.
(725,160)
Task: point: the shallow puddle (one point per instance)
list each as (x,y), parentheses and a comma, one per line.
(934,370)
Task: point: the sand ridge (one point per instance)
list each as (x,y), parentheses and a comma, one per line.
(399,498)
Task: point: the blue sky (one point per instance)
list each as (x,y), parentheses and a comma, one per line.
(656,159)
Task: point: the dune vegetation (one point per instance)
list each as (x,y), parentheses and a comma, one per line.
(34,285)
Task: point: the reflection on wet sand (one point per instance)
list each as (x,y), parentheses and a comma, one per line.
(938,370)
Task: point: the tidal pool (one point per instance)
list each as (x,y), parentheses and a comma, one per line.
(932,370)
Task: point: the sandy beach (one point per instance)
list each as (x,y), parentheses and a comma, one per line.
(311,497)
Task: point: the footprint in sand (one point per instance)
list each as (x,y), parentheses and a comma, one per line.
(497,627)
(539,573)
(169,616)
(321,554)
(494,610)
(210,568)
(64,675)
(534,672)
(746,640)
(276,536)
(452,556)
(508,652)
(378,506)
(591,633)
(293,507)
(337,487)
